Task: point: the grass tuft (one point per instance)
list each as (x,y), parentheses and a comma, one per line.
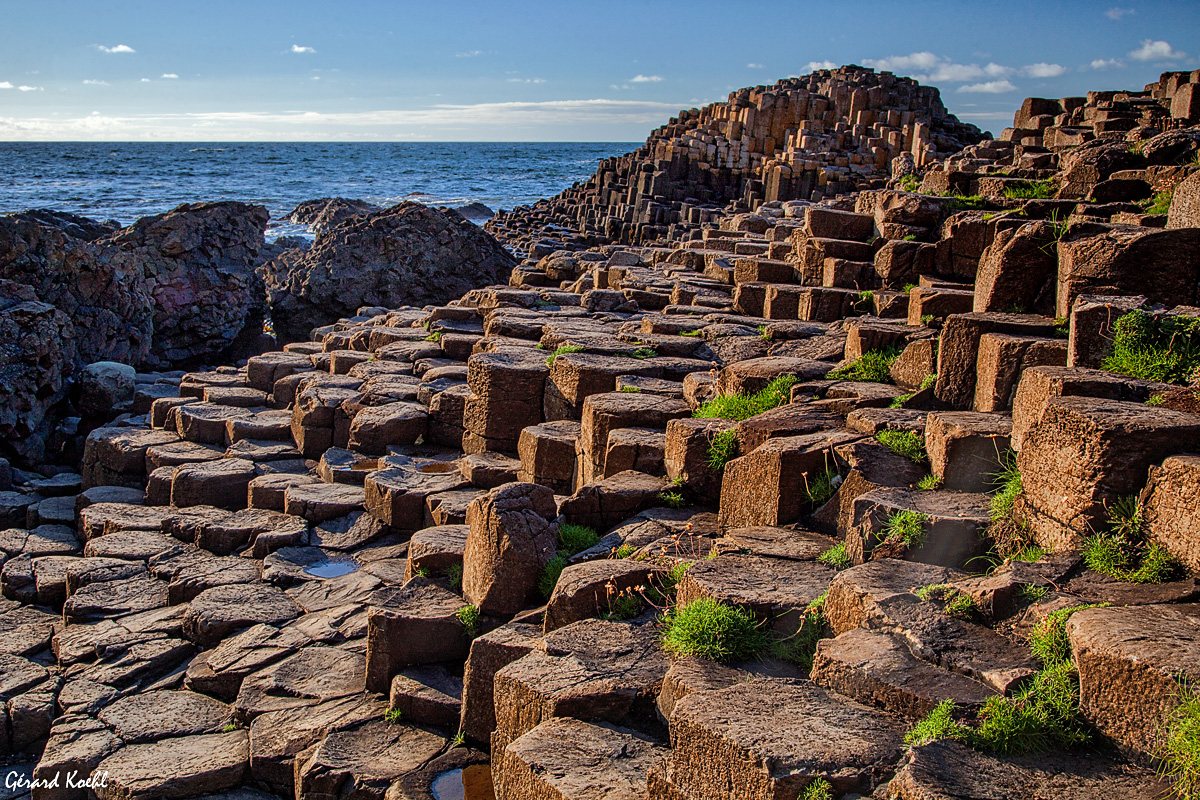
(672,499)
(631,389)
(929,483)
(910,183)
(712,630)
(1159,204)
(873,366)
(800,647)
(905,527)
(937,725)
(722,448)
(836,557)
(899,400)
(563,350)
(574,539)
(1181,745)
(645,352)
(1008,486)
(454,574)
(738,407)
(909,444)
(821,488)
(1029,190)
(1123,551)
(954,602)
(1165,349)
(819,789)
(550,574)
(468,617)
(393,715)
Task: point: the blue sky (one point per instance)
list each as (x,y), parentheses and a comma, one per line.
(466,71)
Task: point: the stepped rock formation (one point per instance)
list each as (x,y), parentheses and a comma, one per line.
(824,134)
(430,545)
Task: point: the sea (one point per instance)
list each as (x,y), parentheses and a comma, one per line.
(130,180)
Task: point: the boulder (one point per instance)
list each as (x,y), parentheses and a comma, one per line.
(101,386)
(511,539)
(405,255)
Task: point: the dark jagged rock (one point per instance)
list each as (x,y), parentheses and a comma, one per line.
(404,255)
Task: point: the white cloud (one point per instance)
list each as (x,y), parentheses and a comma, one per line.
(296,48)
(95,83)
(29,88)
(1043,70)
(813,66)
(145,80)
(989,87)
(754,66)
(928,67)
(169,75)
(470,54)
(481,121)
(121,48)
(5,85)
(1156,50)
(526,80)
(1117,13)
(1110,63)
(645,78)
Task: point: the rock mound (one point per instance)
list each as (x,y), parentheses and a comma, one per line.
(329,212)
(405,255)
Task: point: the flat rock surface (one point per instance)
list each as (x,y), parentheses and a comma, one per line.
(173,768)
(217,612)
(151,716)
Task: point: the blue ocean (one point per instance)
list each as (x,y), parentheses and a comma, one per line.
(125,181)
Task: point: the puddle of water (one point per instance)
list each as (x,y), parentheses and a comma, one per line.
(369,465)
(472,783)
(331,569)
(438,466)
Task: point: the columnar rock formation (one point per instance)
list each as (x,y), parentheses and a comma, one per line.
(912,448)
(820,135)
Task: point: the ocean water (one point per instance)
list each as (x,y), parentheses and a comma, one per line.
(125,181)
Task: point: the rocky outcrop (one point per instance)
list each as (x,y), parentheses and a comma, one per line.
(405,255)
(329,212)
(37,355)
(169,289)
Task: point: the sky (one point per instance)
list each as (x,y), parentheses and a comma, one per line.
(246,70)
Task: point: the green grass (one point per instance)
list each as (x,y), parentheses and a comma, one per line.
(436,336)
(393,715)
(912,237)
(820,789)
(697,332)
(800,647)
(836,557)
(1032,593)
(909,444)
(899,400)
(906,527)
(550,573)
(873,366)
(624,551)
(644,352)
(738,407)
(229,727)
(675,573)
(574,539)
(459,740)
(423,572)
(969,202)
(821,488)
(927,382)
(954,602)
(722,448)
(1166,349)
(1156,399)
(927,319)
(563,350)
(1159,204)
(908,287)
(712,630)
(1008,486)
(468,617)
(1123,551)
(672,499)
(454,574)
(1029,190)
(624,606)
(910,183)
(1028,553)
(929,483)
(633,389)
(1044,715)
(1181,745)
